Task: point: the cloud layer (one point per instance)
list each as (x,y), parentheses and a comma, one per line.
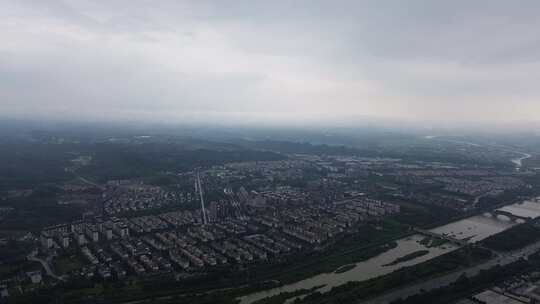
(270,61)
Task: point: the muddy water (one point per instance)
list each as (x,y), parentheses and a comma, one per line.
(529,209)
(474,229)
(364,270)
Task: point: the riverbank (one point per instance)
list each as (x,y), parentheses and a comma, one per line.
(363,270)
(412,257)
(356,290)
(447,279)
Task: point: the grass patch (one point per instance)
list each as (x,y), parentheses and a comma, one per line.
(67,264)
(514,238)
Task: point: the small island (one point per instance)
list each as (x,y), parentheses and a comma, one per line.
(430,242)
(345,268)
(408,257)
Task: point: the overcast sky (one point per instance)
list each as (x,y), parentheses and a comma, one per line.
(271,61)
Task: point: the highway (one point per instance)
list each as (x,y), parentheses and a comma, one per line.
(444,280)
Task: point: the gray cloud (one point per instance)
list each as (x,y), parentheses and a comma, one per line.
(270,61)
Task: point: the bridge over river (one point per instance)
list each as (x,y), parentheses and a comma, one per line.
(442,236)
(510,215)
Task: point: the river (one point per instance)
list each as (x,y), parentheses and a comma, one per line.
(518,161)
(473,229)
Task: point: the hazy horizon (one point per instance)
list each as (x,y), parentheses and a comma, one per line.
(309,63)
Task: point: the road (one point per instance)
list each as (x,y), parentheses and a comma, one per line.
(46,265)
(444,280)
(89,182)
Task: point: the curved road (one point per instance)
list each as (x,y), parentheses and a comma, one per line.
(45,264)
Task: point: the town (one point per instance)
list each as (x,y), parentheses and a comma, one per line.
(303,213)
(250,227)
